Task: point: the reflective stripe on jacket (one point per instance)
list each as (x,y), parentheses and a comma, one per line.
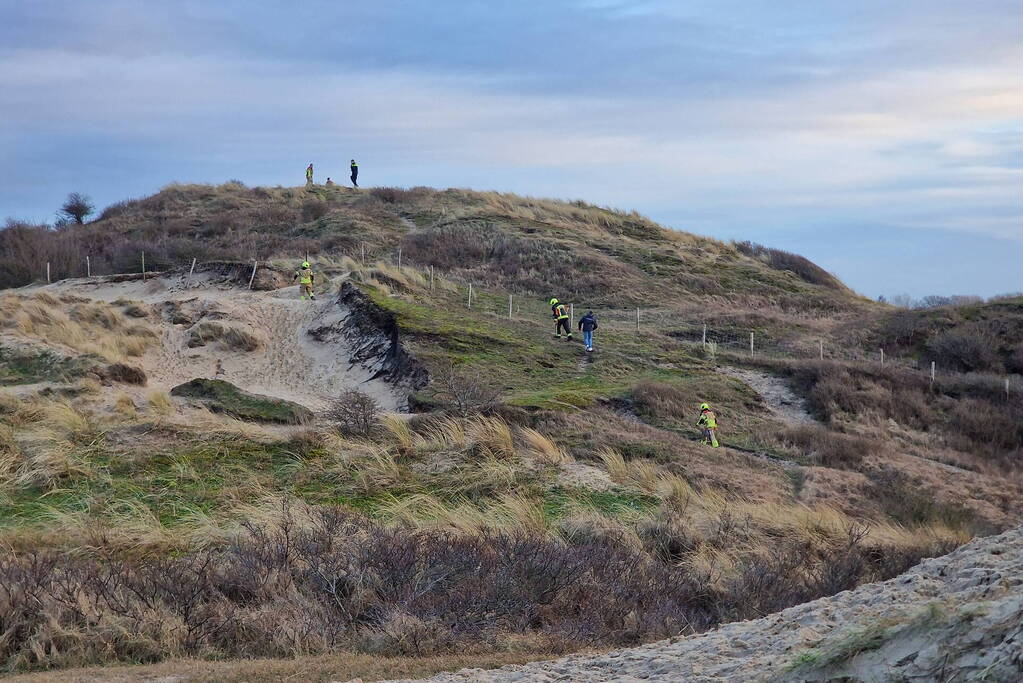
(561,312)
(708,420)
(305,276)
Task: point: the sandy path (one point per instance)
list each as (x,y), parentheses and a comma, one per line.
(289,364)
(780,399)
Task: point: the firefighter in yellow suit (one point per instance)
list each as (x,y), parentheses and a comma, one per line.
(305,281)
(559,312)
(708,424)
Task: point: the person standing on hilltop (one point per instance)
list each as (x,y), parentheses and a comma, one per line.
(329,183)
(355,174)
(559,312)
(309,174)
(708,424)
(304,275)
(587,324)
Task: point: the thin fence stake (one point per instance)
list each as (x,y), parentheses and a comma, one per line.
(88,267)
(821,342)
(882,358)
(431,278)
(571,318)
(932,372)
(637,320)
(399,259)
(362,247)
(143,265)
(253,276)
(47,272)
(704,335)
(470,295)
(192,269)
(1006,388)
(510,309)
(750,344)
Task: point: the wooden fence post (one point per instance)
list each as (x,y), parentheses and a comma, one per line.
(192,269)
(751,345)
(882,358)
(637,320)
(399,259)
(821,342)
(88,267)
(704,335)
(470,295)
(509,305)
(932,373)
(47,272)
(252,278)
(143,265)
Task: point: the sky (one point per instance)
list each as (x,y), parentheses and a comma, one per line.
(881,139)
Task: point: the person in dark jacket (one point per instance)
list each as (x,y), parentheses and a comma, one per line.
(355,174)
(587,324)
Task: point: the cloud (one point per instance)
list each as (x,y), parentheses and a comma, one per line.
(732,115)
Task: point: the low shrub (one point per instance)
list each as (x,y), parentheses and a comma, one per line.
(329,579)
(354,413)
(962,351)
(825,447)
(661,400)
(463,392)
(126,374)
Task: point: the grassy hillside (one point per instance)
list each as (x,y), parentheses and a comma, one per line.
(540,501)
(537,247)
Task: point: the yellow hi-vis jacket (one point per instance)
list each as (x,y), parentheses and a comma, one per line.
(305,276)
(707,420)
(561,312)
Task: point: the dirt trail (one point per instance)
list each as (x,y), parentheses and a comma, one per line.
(780,399)
(289,363)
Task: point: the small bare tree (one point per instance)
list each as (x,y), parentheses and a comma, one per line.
(354,413)
(464,393)
(76,207)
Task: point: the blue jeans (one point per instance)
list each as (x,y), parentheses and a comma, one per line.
(588,338)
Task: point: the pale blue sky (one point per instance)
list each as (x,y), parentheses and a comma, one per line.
(884,140)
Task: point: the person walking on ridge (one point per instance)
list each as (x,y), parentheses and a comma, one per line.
(559,312)
(309,174)
(708,424)
(305,281)
(587,324)
(355,174)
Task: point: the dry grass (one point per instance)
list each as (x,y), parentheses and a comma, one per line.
(160,403)
(340,666)
(44,442)
(85,326)
(230,337)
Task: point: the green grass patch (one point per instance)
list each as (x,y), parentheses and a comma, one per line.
(224,397)
(28,366)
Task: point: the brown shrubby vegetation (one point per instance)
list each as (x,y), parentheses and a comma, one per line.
(354,413)
(331,579)
(970,412)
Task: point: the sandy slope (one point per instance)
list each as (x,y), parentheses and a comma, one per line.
(290,364)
